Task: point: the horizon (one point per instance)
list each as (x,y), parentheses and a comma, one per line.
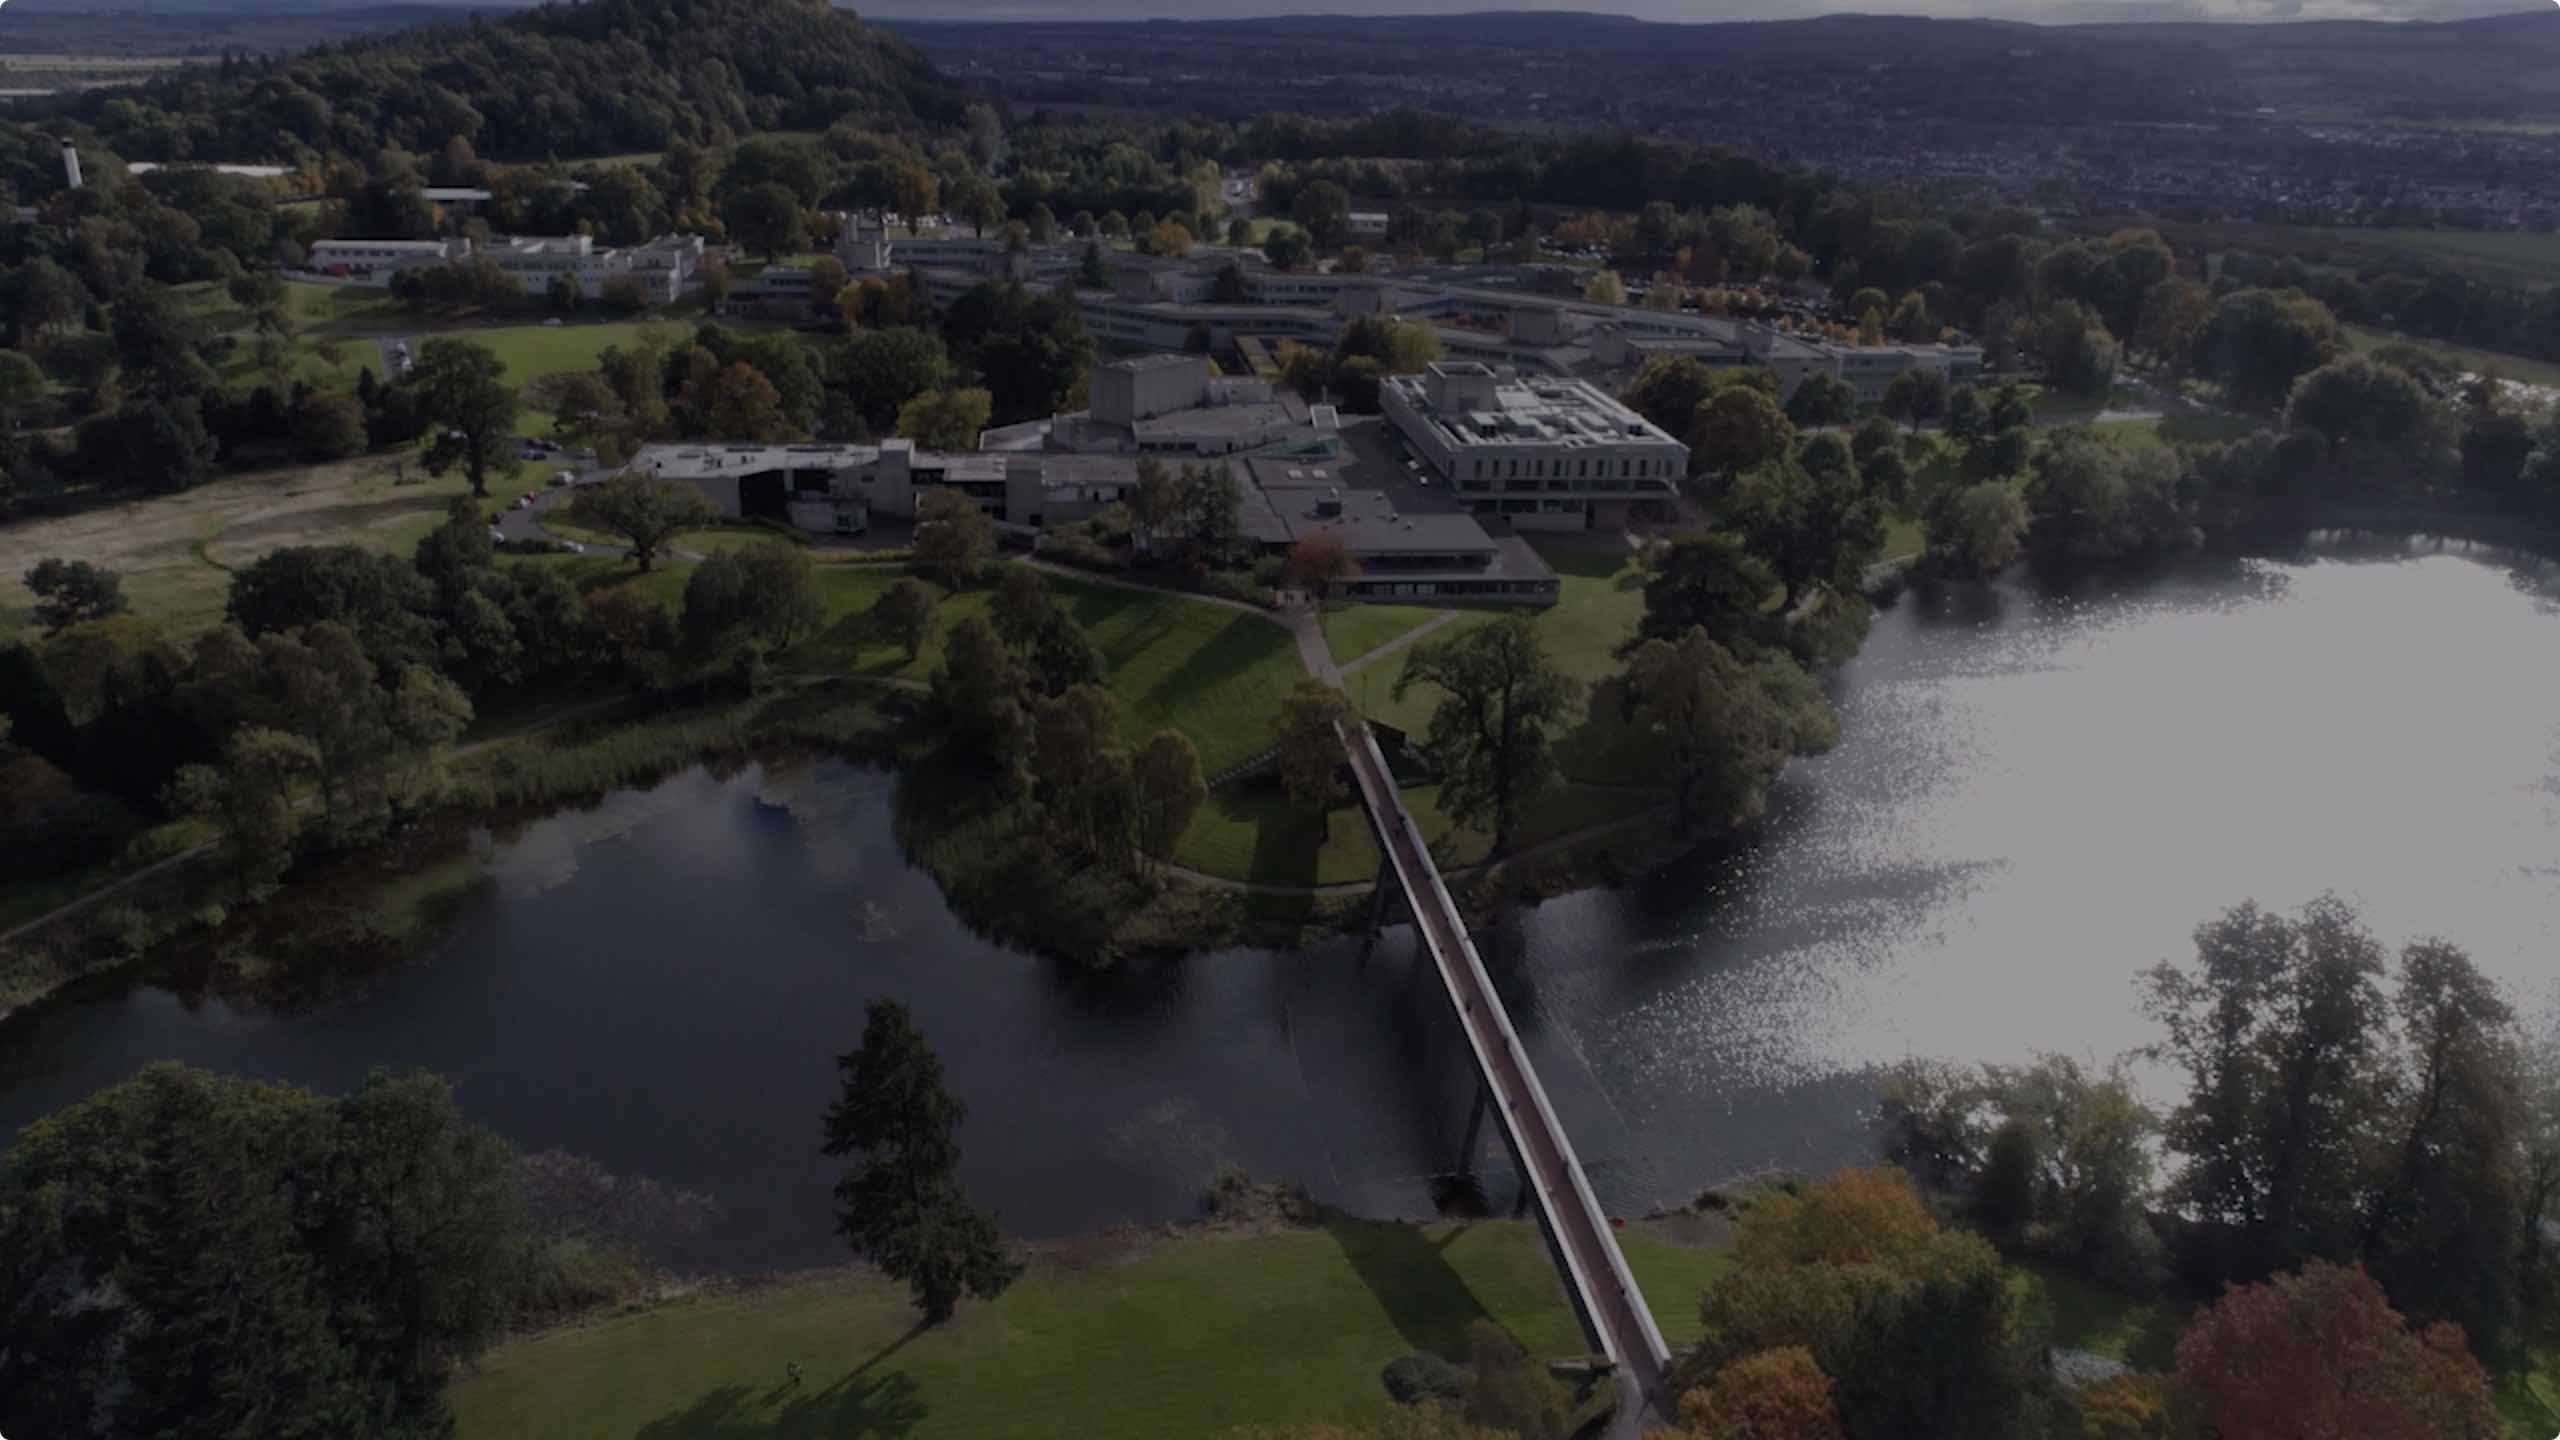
(2046,13)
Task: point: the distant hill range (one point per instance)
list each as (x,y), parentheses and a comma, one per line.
(2499,67)
(600,77)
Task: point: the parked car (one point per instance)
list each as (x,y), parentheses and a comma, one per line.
(563,477)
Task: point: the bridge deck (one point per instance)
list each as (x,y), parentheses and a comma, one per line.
(1604,1289)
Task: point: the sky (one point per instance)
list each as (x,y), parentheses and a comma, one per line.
(2041,11)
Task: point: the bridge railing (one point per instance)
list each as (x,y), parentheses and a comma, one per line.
(1369,765)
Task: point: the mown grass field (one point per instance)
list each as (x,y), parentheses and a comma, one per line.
(2513,367)
(176,552)
(1127,1335)
(2513,258)
(1353,630)
(1602,599)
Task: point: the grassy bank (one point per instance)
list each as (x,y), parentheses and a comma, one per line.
(1133,1334)
(1213,672)
(1601,601)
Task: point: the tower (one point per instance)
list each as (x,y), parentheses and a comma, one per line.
(70,164)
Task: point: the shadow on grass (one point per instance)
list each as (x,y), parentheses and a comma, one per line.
(1423,1295)
(848,1409)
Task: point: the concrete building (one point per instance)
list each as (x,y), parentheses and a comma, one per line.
(663,268)
(1403,555)
(1160,404)
(843,489)
(1544,454)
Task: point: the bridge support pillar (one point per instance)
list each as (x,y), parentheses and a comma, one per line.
(1382,899)
(1475,1127)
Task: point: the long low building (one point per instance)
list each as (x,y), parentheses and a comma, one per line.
(663,268)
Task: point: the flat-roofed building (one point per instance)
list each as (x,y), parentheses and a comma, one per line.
(1403,555)
(1544,454)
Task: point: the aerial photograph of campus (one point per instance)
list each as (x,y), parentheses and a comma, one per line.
(1279,720)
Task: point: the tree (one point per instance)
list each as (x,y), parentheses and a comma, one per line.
(1915,1324)
(2375,417)
(1170,791)
(462,392)
(2323,1353)
(945,419)
(1708,581)
(1916,396)
(1320,560)
(1605,288)
(1308,737)
(1287,247)
(1513,1393)
(249,799)
(954,538)
(1769,1395)
(2174,313)
(645,510)
(915,192)
(1820,400)
(426,713)
(1093,272)
(322,687)
(1085,780)
(743,407)
(2442,1215)
(1323,210)
(904,612)
(769,591)
(1723,728)
(1976,529)
(2279,1029)
(1668,390)
(1489,733)
(980,686)
(900,1205)
(882,369)
(1739,428)
(766,218)
(2260,341)
(191,1254)
(329,426)
(70,591)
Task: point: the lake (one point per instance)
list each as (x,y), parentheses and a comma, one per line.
(2035,796)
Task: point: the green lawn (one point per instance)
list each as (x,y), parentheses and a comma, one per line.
(1110,1337)
(1353,630)
(1601,602)
(1251,831)
(2513,367)
(532,351)
(1210,671)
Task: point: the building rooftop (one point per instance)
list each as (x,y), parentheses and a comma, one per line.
(1160,361)
(1530,411)
(694,462)
(1370,524)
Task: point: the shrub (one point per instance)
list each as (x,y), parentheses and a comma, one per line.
(1427,1379)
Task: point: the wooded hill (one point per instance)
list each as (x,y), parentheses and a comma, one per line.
(592,78)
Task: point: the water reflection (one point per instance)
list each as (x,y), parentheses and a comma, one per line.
(2036,794)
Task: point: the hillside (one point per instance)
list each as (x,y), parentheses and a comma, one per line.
(597,77)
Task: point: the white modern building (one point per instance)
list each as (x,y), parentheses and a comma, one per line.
(1544,454)
(664,267)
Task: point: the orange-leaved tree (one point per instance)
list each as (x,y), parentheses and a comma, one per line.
(2323,1353)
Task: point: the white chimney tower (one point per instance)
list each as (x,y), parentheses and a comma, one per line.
(70,163)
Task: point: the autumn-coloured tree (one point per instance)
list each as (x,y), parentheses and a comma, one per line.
(1310,744)
(1320,559)
(2127,1407)
(2323,1353)
(1914,1323)
(1771,1395)
(745,408)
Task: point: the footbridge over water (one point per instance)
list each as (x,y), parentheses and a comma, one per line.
(1578,1232)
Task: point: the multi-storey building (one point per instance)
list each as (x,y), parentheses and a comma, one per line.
(1544,454)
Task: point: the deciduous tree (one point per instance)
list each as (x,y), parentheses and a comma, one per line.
(463,394)
(2323,1353)
(1501,696)
(904,612)
(1310,746)
(645,510)
(954,538)
(70,591)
